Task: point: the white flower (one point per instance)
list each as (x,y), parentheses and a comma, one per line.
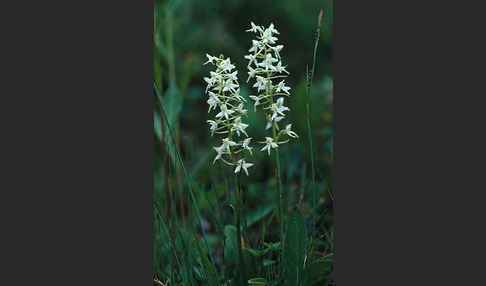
(246,146)
(213,101)
(277,49)
(213,125)
(238,96)
(231,111)
(224,111)
(278,108)
(225,65)
(261,83)
(210,81)
(272,29)
(227,144)
(220,151)
(267,37)
(281,87)
(257,101)
(238,126)
(229,86)
(276,120)
(256,47)
(240,109)
(254,28)
(233,77)
(251,59)
(279,68)
(269,144)
(268,62)
(264,66)
(251,73)
(216,76)
(210,59)
(241,164)
(290,132)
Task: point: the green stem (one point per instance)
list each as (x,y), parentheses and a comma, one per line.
(238,229)
(279,185)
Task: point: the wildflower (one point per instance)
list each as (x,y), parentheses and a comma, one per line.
(246,146)
(232,76)
(277,49)
(290,132)
(267,37)
(279,68)
(276,120)
(268,62)
(257,101)
(238,126)
(241,110)
(223,93)
(227,143)
(213,125)
(210,59)
(213,101)
(256,47)
(229,85)
(251,73)
(241,164)
(220,151)
(265,64)
(269,144)
(251,59)
(281,87)
(272,29)
(261,83)
(224,111)
(278,108)
(226,65)
(254,28)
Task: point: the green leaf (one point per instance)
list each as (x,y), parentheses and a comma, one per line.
(256,252)
(172,103)
(320,269)
(294,250)
(230,248)
(258,214)
(258,281)
(157,126)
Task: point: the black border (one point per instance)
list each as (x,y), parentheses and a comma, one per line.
(79,154)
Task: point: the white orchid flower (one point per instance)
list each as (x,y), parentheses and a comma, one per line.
(220,151)
(289,132)
(238,126)
(213,125)
(246,146)
(261,83)
(281,87)
(224,111)
(276,120)
(268,62)
(254,28)
(269,144)
(210,59)
(241,164)
(213,101)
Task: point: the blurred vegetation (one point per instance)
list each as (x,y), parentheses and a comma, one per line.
(194,232)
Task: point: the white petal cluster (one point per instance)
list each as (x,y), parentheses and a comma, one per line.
(224,99)
(266,69)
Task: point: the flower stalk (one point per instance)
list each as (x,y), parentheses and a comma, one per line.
(225,99)
(265,66)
